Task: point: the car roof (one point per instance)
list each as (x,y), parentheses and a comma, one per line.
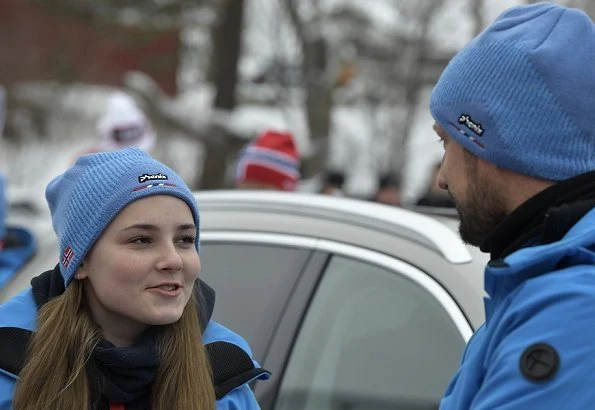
(392,220)
(429,242)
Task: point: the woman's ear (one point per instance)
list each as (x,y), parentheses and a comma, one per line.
(81,272)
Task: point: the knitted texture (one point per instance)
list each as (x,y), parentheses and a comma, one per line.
(272,159)
(521,94)
(88,196)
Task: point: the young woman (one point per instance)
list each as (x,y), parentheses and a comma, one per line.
(122,321)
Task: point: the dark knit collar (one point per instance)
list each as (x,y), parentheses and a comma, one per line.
(125,374)
(51,284)
(544,218)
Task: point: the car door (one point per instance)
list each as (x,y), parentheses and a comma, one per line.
(377,333)
(253,276)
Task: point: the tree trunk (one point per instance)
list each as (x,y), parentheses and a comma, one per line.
(227,40)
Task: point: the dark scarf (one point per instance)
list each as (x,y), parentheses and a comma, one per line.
(544,218)
(124,374)
(121,374)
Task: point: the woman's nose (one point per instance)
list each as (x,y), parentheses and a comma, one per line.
(170,259)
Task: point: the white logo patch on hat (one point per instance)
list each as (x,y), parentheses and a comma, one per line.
(476,127)
(152,177)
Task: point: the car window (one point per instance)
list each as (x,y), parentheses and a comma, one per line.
(372,339)
(252,283)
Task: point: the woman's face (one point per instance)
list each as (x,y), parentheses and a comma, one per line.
(142,269)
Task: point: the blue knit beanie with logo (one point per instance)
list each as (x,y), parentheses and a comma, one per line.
(88,196)
(521,95)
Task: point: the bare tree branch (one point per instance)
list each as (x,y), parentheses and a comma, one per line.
(477,14)
(418,54)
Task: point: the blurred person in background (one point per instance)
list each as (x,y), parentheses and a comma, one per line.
(434,195)
(333,183)
(17,244)
(270,162)
(514,111)
(123,124)
(389,190)
(123,320)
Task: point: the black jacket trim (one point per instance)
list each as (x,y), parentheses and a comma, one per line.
(13,348)
(232,367)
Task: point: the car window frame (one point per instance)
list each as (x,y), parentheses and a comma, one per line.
(305,245)
(281,346)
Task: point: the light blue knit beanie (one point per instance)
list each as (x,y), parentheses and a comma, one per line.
(88,196)
(521,95)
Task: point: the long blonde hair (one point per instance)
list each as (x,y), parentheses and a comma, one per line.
(54,375)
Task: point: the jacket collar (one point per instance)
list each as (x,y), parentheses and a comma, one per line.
(544,218)
(504,275)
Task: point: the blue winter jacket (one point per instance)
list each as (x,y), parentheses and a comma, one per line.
(536,349)
(21,312)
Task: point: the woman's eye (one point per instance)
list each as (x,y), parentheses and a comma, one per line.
(142,240)
(188,239)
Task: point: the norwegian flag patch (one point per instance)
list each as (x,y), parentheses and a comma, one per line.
(67,256)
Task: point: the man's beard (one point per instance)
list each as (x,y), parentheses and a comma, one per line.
(481,212)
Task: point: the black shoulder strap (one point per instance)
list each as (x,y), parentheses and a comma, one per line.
(13,348)
(231,365)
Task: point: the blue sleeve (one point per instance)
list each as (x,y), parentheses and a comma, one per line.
(13,258)
(7,383)
(241,398)
(556,309)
